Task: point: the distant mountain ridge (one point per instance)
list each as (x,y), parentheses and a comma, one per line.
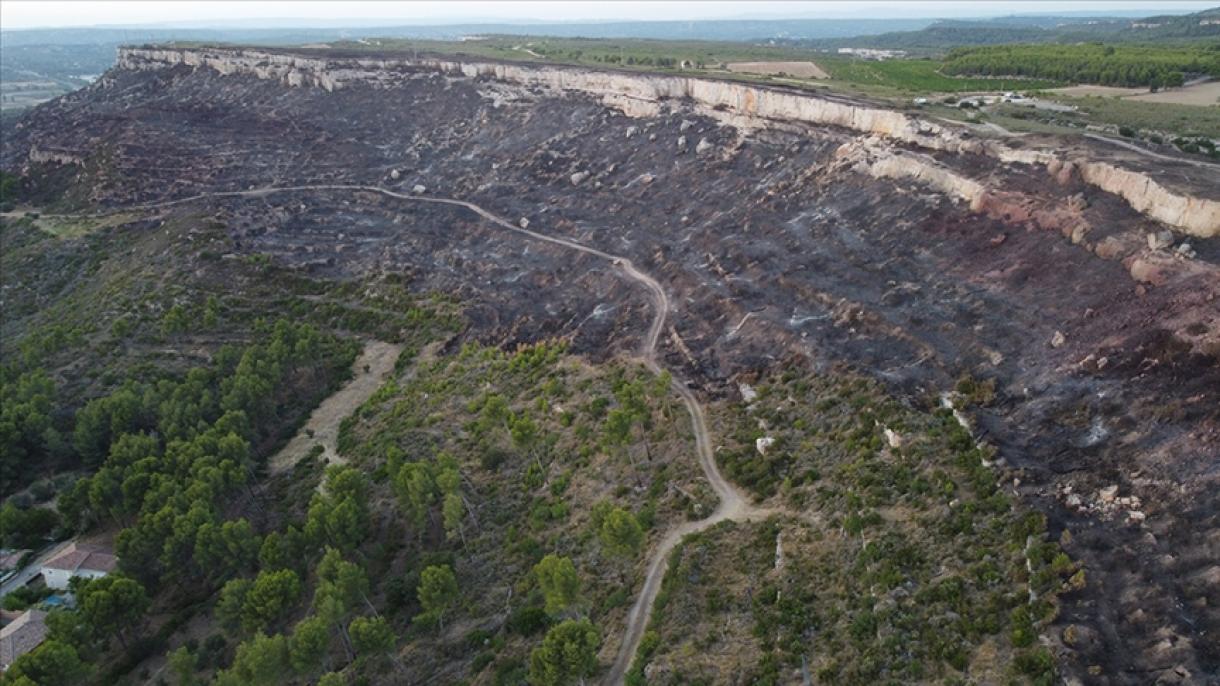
(947,34)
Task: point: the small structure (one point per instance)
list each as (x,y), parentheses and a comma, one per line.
(78,559)
(21,635)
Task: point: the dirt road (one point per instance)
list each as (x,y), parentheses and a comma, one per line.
(733,505)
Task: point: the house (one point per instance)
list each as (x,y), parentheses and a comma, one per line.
(78,559)
(21,635)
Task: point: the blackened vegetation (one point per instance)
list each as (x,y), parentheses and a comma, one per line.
(832,266)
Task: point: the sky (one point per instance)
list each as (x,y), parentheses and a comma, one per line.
(19,14)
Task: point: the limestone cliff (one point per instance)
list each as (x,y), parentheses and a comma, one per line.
(740,104)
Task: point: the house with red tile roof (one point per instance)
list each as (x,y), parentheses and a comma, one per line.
(78,560)
(21,635)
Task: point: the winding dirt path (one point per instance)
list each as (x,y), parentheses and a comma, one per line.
(733,505)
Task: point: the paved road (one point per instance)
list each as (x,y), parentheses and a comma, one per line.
(33,569)
(733,505)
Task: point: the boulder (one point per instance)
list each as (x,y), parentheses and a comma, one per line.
(1110,248)
(681,142)
(703,146)
(1159,240)
(524,223)
(418,189)
(579,177)
(748,393)
(762,444)
(394,174)
(1108,494)
(1149,270)
(1058,340)
(893,438)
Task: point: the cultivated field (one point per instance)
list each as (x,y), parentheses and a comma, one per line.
(803,70)
(1199,94)
(1206,93)
(1101,91)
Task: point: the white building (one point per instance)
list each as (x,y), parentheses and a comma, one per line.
(80,560)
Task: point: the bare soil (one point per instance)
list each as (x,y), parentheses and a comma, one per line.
(369,372)
(1199,94)
(1206,93)
(804,70)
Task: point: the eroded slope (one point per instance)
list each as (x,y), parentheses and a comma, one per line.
(796,242)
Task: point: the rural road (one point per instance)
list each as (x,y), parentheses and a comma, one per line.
(33,569)
(733,505)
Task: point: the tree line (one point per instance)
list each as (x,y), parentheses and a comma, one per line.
(1107,65)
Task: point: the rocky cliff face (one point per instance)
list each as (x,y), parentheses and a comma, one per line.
(911,251)
(735,103)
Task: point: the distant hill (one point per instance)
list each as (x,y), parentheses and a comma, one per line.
(736,30)
(56,58)
(944,35)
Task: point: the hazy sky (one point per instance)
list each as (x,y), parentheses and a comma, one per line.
(16,14)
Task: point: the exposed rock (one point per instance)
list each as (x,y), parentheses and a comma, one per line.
(1151,269)
(743,104)
(1108,494)
(1159,240)
(1110,248)
(893,438)
(748,393)
(1185,250)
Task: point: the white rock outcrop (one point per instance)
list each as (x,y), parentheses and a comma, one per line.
(741,104)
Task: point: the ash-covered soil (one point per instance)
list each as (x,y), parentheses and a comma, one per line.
(1107,412)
